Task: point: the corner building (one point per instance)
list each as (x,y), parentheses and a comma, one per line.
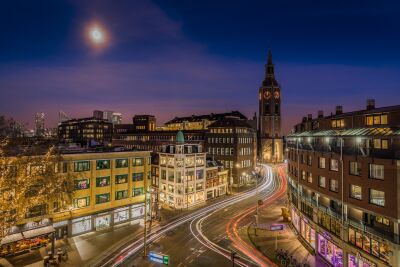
(344,173)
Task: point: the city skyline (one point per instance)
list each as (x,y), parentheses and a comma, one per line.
(178,64)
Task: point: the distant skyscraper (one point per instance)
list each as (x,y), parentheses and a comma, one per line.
(62,116)
(116,118)
(39,124)
(110,116)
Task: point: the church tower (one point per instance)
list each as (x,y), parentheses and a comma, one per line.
(270,142)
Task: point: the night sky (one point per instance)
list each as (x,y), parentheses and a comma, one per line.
(180,57)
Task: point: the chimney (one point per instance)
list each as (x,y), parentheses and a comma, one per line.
(339,110)
(370,104)
(320,113)
(309,117)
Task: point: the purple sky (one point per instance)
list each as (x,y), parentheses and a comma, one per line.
(154,65)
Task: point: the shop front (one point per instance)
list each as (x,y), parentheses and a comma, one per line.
(358,261)
(31,235)
(137,211)
(61,229)
(308,233)
(121,215)
(329,251)
(102,221)
(81,225)
(370,244)
(295,219)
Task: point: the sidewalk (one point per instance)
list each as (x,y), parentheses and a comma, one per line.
(83,250)
(266,240)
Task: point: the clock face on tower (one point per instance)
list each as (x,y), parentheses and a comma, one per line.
(276,94)
(267,94)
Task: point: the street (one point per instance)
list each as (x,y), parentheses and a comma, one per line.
(209,235)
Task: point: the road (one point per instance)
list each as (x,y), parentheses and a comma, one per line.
(207,236)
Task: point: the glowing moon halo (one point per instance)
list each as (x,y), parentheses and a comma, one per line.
(96,35)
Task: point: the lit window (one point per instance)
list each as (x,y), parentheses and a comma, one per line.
(377,197)
(376,171)
(322,181)
(334,165)
(355,192)
(322,163)
(355,168)
(334,185)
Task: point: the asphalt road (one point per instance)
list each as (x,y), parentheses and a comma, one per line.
(203,240)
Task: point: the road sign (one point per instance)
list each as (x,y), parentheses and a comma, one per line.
(160,258)
(276,227)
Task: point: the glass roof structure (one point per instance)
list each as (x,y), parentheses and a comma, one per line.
(355,132)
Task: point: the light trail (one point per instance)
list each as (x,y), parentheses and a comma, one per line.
(130,250)
(231,227)
(269,185)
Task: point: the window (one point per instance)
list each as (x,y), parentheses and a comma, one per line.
(322,181)
(376,171)
(164,174)
(121,194)
(334,185)
(121,163)
(355,192)
(137,162)
(303,175)
(81,202)
(81,184)
(309,177)
(376,119)
(64,167)
(102,181)
(137,191)
(102,198)
(381,144)
(121,178)
(377,197)
(334,165)
(309,160)
(337,123)
(102,164)
(321,163)
(355,168)
(81,166)
(137,176)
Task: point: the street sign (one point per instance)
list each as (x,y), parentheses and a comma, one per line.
(276,227)
(160,258)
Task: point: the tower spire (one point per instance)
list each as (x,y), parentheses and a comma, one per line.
(269,67)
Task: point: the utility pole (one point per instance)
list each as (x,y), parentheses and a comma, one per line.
(145,226)
(233,256)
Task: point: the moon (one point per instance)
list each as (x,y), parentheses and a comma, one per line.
(97,35)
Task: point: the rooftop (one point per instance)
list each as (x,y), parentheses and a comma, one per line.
(212,117)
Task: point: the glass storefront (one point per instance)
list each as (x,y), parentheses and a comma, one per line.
(81,225)
(369,244)
(295,219)
(358,261)
(103,221)
(121,215)
(330,252)
(137,211)
(308,233)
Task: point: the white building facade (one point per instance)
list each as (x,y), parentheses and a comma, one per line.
(182,174)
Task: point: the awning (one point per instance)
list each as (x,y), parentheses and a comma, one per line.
(11,238)
(38,232)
